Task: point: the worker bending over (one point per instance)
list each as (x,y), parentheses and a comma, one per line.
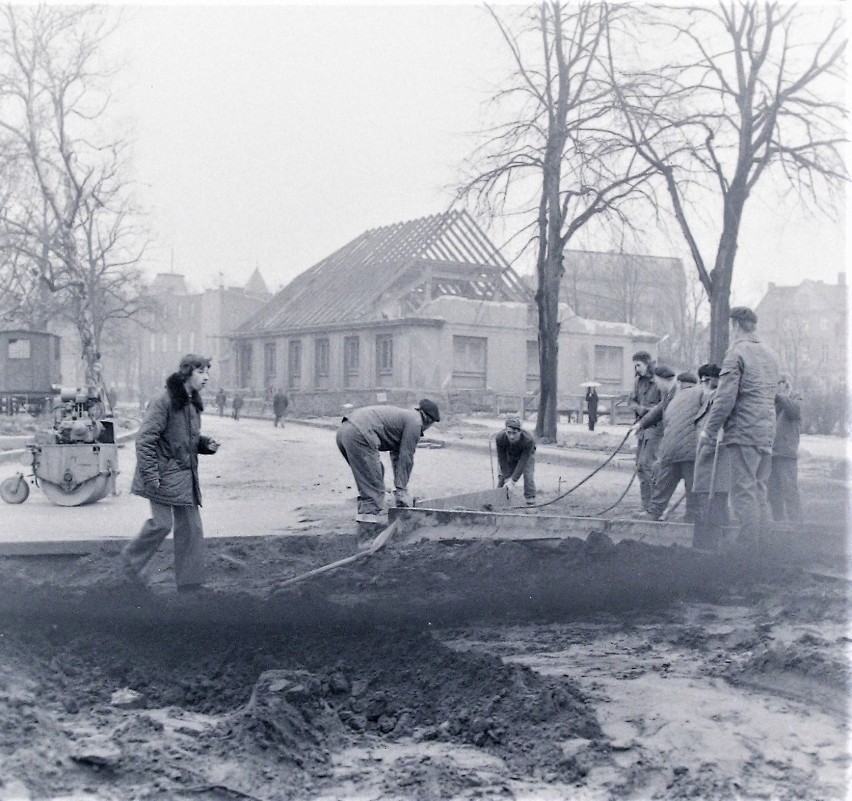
(363,433)
(516,458)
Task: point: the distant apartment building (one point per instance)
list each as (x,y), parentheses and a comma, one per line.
(806,325)
(194,322)
(649,292)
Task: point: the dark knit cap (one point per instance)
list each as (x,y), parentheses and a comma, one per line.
(664,372)
(642,356)
(430,409)
(743,314)
(687,377)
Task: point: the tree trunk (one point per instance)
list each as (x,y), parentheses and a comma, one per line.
(723,271)
(548,359)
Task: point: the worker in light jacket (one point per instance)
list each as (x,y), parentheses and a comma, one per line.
(783,487)
(363,434)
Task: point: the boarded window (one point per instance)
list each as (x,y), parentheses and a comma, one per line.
(470,362)
(351,360)
(384,355)
(533,366)
(609,363)
(294,363)
(19,349)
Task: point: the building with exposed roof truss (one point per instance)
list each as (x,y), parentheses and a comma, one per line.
(428,305)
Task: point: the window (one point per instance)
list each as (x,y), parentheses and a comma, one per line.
(321,358)
(351,360)
(246,359)
(19,349)
(294,364)
(384,356)
(609,363)
(270,363)
(470,362)
(533,366)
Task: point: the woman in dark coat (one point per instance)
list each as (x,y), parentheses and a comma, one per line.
(592,406)
(167,448)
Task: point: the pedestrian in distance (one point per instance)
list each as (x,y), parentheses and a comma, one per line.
(592,406)
(516,458)
(237,405)
(280,403)
(167,448)
(783,489)
(221,400)
(645,396)
(744,408)
(363,434)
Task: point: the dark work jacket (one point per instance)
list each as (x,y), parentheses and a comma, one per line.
(646,395)
(167,447)
(704,455)
(679,434)
(788,411)
(280,402)
(512,457)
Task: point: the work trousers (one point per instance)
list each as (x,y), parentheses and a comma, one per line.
(367,470)
(667,476)
(750,469)
(529,478)
(783,489)
(646,453)
(189,542)
(710,519)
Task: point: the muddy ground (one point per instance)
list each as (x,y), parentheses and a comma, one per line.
(578,668)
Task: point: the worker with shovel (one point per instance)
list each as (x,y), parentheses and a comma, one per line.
(711,479)
(363,433)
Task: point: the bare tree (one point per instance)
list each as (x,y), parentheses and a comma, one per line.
(746,92)
(68,233)
(553,149)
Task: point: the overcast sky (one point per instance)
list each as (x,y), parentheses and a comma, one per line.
(271,136)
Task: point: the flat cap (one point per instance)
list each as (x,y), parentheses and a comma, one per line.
(642,356)
(513,422)
(430,409)
(664,372)
(687,377)
(709,370)
(743,314)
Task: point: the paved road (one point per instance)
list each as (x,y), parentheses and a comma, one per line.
(269,481)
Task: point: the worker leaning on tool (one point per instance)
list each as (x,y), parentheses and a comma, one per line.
(363,433)
(711,478)
(516,458)
(744,407)
(645,396)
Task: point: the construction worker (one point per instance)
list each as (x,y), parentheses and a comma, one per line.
(167,448)
(676,451)
(783,489)
(363,433)
(744,407)
(645,396)
(711,480)
(516,458)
